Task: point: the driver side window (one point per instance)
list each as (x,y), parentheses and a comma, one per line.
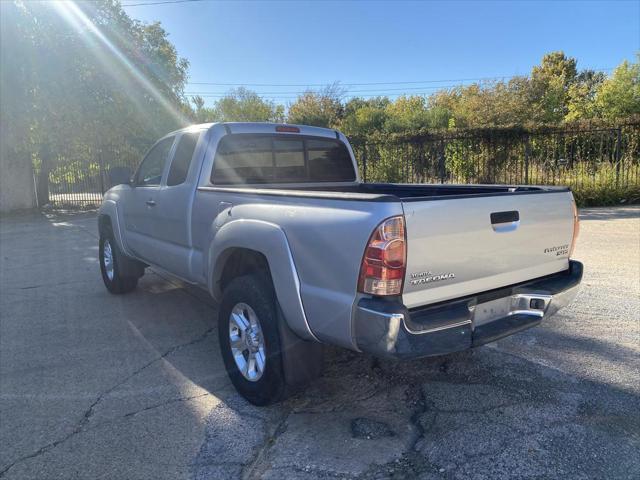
(150,171)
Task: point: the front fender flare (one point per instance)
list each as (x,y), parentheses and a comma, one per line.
(109,208)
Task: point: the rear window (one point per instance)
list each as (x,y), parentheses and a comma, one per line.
(250,158)
(182,159)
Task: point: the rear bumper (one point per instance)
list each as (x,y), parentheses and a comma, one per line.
(387,328)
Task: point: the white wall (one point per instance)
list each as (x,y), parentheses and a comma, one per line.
(16,183)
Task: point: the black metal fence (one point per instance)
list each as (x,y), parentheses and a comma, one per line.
(82,183)
(579,158)
(586,159)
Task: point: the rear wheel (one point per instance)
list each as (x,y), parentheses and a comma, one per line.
(250,341)
(111,265)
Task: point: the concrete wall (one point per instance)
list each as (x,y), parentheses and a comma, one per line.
(17,190)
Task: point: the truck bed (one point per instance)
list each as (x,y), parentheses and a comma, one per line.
(464,239)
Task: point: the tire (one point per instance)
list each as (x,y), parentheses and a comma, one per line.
(252,297)
(112,271)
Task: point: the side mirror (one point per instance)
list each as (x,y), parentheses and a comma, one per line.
(119,176)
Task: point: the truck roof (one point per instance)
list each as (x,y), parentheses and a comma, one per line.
(262,127)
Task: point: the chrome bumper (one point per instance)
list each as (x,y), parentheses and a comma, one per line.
(562,299)
(386,328)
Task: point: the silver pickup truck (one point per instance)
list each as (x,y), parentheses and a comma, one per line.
(274,221)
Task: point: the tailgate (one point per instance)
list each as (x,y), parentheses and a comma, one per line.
(463,246)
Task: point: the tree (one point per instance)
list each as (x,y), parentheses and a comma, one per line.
(619,96)
(409,113)
(364,117)
(200,113)
(549,87)
(581,95)
(321,109)
(483,105)
(241,105)
(90,78)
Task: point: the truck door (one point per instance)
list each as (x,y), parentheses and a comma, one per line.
(143,203)
(172,222)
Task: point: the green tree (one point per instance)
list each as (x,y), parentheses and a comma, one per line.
(549,87)
(581,95)
(201,114)
(239,105)
(484,105)
(619,96)
(364,117)
(321,109)
(89,78)
(413,113)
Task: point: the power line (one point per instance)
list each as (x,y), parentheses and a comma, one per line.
(500,77)
(342,84)
(379,90)
(276,97)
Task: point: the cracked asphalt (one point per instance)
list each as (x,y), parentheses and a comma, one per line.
(132,387)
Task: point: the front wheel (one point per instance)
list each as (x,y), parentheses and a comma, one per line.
(111,266)
(250,341)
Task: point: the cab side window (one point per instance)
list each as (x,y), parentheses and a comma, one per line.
(182,159)
(150,171)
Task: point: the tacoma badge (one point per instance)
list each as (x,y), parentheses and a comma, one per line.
(558,251)
(420,278)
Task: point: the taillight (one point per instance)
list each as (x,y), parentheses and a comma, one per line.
(576,227)
(385,259)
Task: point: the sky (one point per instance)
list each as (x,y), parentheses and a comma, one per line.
(431,43)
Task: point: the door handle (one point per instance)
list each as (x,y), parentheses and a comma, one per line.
(505,221)
(151,203)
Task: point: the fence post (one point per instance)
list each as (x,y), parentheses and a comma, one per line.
(102,172)
(43,174)
(364,162)
(527,154)
(618,155)
(441,163)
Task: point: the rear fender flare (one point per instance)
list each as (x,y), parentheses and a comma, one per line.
(271,241)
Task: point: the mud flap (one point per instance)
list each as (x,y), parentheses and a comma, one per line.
(130,267)
(302,360)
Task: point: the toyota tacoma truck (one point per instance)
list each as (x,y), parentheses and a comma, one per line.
(275,223)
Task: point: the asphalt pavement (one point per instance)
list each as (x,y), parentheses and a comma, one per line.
(97,386)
